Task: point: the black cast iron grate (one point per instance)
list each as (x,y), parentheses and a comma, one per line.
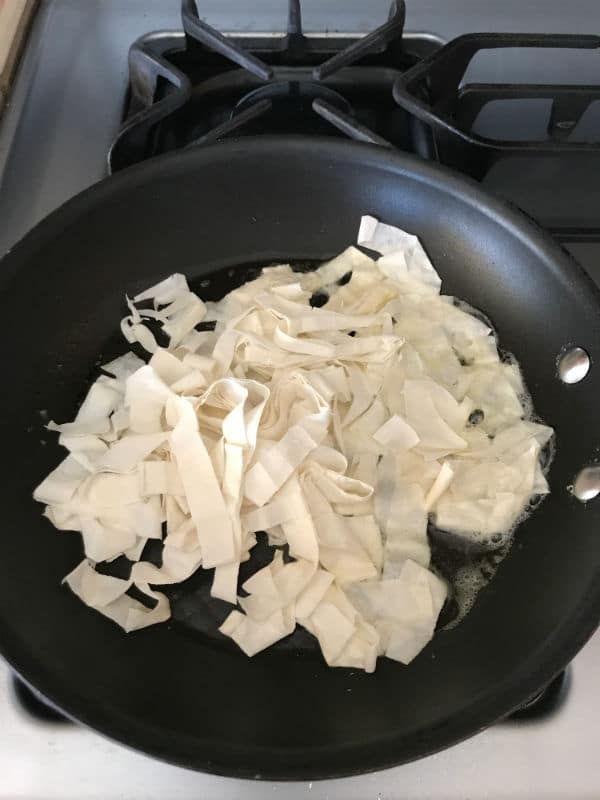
(406,91)
(560,163)
(434,93)
(198,86)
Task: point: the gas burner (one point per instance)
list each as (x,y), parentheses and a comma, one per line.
(197,86)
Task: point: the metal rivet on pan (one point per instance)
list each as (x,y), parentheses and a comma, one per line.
(573,365)
(587,484)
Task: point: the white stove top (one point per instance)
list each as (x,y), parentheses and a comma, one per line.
(53,142)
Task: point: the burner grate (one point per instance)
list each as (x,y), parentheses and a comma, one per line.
(434,93)
(200,86)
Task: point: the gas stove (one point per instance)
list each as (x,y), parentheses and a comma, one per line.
(519,112)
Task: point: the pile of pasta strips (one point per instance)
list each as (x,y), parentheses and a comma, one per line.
(338,430)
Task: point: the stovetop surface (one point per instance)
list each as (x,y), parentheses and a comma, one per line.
(53,143)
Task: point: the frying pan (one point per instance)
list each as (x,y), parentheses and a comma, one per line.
(180,691)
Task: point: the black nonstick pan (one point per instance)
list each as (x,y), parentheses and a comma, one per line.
(179,691)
